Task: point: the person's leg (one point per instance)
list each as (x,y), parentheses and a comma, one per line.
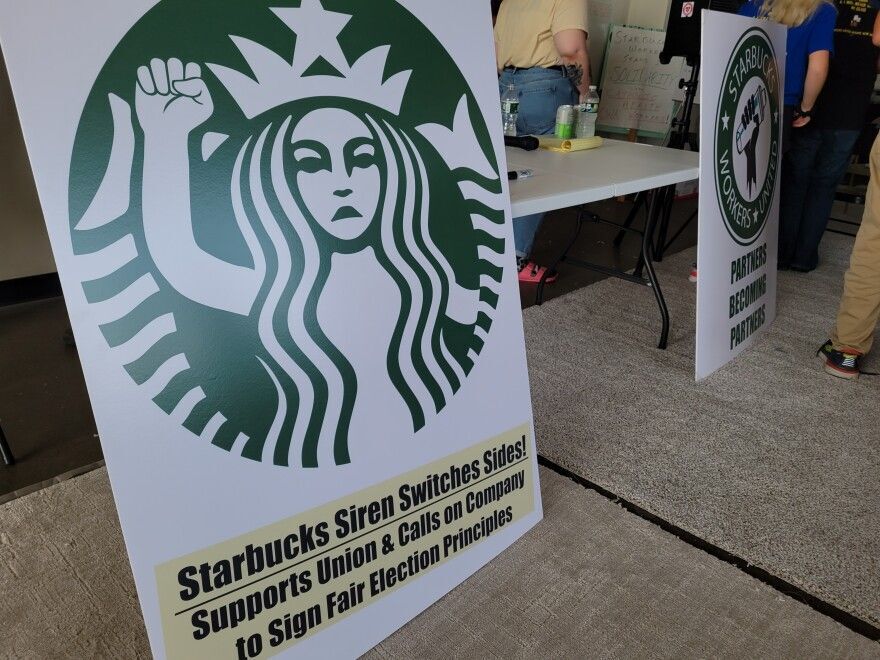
(539,97)
(797,170)
(832,159)
(524,229)
(860,305)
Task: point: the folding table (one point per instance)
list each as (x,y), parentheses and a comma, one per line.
(617,168)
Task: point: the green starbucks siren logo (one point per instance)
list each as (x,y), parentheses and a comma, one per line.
(747,137)
(289,221)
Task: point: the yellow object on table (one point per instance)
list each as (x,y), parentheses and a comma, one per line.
(565,146)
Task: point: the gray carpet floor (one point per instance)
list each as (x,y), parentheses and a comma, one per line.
(769,458)
(590,581)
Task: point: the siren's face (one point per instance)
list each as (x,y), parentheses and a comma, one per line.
(337,171)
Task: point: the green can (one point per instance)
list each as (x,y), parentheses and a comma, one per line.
(565,122)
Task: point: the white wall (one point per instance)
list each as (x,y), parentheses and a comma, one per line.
(24,243)
(648,13)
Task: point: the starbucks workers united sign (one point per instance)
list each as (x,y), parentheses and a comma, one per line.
(742,61)
(285,245)
(747,137)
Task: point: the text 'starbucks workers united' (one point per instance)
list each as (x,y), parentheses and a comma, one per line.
(260,160)
(747,138)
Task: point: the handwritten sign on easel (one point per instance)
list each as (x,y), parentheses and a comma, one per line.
(637,91)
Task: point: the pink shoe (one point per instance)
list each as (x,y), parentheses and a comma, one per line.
(531,273)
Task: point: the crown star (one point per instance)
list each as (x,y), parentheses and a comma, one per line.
(277,81)
(317,34)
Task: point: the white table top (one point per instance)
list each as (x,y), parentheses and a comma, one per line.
(616,168)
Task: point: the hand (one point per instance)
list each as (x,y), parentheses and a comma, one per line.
(170,98)
(750,120)
(800,122)
(582,97)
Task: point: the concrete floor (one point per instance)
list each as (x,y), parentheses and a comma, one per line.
(590,581)
(769,458)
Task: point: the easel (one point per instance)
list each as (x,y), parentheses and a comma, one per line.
(666,196)
(680,131)
(683,39)
(5,451)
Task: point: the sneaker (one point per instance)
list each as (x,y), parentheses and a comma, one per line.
(531,273)
(841,364)
(692,277)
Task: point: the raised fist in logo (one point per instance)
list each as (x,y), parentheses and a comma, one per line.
(171,98)
(749,129)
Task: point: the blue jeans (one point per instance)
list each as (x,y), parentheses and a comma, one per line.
(541,92)
(812,168)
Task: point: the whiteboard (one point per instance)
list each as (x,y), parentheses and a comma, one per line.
(602,15)
(637,91)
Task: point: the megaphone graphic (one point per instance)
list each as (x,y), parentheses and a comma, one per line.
(753,116)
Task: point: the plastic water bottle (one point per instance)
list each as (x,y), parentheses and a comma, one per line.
(510,110)
(587,118)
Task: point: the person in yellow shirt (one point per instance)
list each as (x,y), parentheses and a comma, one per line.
(541,48)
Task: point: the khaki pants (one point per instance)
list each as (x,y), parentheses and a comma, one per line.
(860,306)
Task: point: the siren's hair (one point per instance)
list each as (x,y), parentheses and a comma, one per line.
(791,13)
(315,383)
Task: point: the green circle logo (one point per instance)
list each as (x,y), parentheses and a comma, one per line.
(291,223)
(747,137)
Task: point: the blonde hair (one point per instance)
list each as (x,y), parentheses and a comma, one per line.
(790,13)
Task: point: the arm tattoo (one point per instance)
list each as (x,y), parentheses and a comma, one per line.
(575,73)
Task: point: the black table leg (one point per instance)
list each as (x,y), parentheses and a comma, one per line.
(5,451)
(645,262)
(652,209)
(663,211)
(647,258)
(638,203)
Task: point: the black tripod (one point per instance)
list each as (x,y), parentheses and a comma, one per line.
(664,197)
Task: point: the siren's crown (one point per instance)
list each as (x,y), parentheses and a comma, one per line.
(276,81)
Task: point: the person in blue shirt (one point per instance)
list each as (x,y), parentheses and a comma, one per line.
(809,46)
(820,152)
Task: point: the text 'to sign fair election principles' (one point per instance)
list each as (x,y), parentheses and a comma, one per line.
(284,239)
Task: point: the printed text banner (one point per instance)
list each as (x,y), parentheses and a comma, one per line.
(285,582)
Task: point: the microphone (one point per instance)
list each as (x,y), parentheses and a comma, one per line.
(526,142)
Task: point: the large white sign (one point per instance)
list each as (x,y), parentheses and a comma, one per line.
(743,64)
(284,239)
